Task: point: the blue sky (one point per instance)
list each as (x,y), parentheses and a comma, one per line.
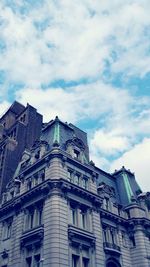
(87,62)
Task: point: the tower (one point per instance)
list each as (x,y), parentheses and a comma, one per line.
(19,128)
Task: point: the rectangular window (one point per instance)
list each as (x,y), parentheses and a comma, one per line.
(29,184)
(6,232)
(69,175)
(37,260)
(106,203)
(28,261)
(76,179)
(36,179)
(85,262)
(83,218)
(75,261)
(132,241)
(33,217)
(124,239)
(42,175)
(84,183)
(39,216)
(73,216)
(105,234)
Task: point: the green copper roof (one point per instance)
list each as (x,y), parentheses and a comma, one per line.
(56,132)
(127,186)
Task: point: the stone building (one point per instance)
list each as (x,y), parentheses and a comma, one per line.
(17,132)
(60,210)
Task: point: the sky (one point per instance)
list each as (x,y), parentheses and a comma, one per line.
(89,63)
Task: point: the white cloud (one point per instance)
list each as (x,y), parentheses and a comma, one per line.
(109,143)
(3,107)
(92,101)
(77,39)
(137,159)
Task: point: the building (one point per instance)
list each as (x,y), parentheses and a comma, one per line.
(60,210)
(17,132)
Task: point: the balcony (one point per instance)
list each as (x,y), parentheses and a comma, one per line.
(111,248)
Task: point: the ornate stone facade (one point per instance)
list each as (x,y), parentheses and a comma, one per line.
(60,210)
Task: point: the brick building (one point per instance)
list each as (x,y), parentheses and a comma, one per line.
(59,209)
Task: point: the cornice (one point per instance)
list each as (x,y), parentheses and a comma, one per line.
(63,156)
(46,189)
(111,216)
(130,224)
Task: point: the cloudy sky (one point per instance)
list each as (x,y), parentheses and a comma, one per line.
(87,61)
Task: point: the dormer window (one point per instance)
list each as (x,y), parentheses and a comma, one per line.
(76,154)
(37,154)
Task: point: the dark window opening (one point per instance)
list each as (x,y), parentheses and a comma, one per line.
(76,154)
(132,240)
(85,262)
(75,261)
(28,261)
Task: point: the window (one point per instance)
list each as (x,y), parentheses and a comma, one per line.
(42,175)
(75,261)
(105,235)
(76,154)
(39,218)
(6,231)
(80,255)
(69,175)
(30,217)
(76,179)
(37,154)
(11,194)
(28,261)
(29,184)
(106,203)
(85,262)
(13,134)
(23,118)
(110,234)
(36,179)
(83,219)
(124,239)
(73,215)
(79,216)
(33,259)
(37,260)
(32,256)
(84,182)
(33,217)
(132,241)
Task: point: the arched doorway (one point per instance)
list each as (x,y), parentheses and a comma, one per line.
(113,263)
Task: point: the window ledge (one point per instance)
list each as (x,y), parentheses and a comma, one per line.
(76,233)
(34,235)
(111,248)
